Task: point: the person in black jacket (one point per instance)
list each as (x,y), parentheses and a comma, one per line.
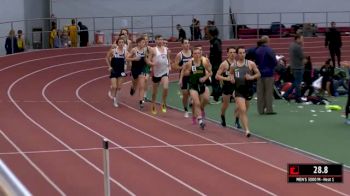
(182,33)
(84,34)
(334,43)
(11,43)
(215,58)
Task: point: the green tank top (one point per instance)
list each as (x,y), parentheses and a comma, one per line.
(196,73)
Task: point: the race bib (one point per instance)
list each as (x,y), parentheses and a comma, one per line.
(194,68)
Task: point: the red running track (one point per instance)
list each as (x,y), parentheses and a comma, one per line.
(55,111)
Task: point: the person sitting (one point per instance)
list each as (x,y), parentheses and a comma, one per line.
(308,77)
(327,72)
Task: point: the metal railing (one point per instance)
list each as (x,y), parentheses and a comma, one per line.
(166,24)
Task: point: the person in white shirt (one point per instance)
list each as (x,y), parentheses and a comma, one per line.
(159,60)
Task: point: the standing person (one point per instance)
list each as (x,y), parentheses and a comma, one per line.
(159,59)
(11,43)
(20,41)
(265,59)
(137,56)
(84,34)
(184,56)
(73,34)
(334,43)
(182,33)
(116,57)
(223,75)
(199,71)
(215,58)
(243,72)
(53,35)
(296,56)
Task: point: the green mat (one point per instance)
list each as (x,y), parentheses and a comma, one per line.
(310,128)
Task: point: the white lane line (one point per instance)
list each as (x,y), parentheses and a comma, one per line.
(102,136)
(50,57)
(227,147)
(172,146)
(32,164)
(51,134)
(129,147)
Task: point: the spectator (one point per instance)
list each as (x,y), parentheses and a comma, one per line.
(308,77)
(215,58)
(195,30)
(334,43)
(182,33)
(65,40)
(327,72)
(11,43)
(73,33)
(296,55)
(20,41)
(309,30)
(84,34)
(206,29)
(57,40)
(266,62)
(53,34)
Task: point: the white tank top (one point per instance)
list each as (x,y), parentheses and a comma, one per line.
(161,62)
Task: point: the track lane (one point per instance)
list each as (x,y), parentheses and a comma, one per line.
(283,173)
(212,133)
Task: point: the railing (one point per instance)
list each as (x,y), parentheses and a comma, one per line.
(166,24)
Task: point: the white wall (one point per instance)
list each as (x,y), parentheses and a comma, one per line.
(10,10)
(273,6)
(92,8)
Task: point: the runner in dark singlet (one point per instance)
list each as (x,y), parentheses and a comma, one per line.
(223,75)
(115,58)
(184,56)
(244,72)
(137,56)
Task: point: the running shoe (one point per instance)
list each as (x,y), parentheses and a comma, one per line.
(223,121)
(141,104)
(154,110)
(115,102)
(163,108)
(201,123)
(237,124)
(187,114)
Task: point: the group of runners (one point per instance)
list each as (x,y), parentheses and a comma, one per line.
(235,74)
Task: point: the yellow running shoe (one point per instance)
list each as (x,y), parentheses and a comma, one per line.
(163,108)
(154,110)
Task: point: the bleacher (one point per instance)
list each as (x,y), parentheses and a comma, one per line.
(313,46)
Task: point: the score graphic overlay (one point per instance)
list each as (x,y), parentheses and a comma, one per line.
(315,173)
